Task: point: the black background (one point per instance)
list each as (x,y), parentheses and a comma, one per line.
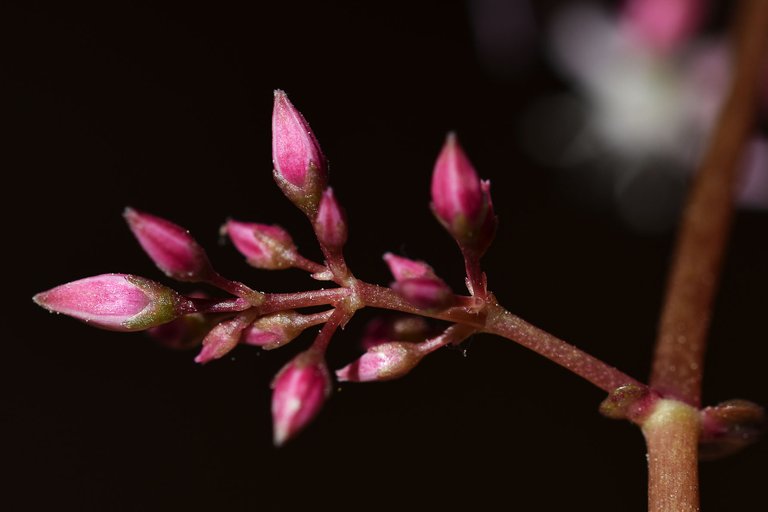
(167,108)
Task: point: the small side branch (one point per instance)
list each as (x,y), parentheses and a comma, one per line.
(497,320)
(602,375)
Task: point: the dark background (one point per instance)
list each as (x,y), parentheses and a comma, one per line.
(167,109)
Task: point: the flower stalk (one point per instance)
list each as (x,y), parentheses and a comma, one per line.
(678,362)
(672,432)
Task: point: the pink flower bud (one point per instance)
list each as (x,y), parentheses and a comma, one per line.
(425,292)
(455,185)
(487,230)
(330,223)
(754,174)
(117,302)
(630,401)
(729,427)
(299,392)
(459,200)
(300,167)
(224,337)
(183,333)
(275,330)
(662,25)
(377,331)
(266,247)
(170,246)
(404,268)
(417,283)
(383,362)
(383,330)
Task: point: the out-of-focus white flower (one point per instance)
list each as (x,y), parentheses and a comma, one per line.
(641,116)
(641,102)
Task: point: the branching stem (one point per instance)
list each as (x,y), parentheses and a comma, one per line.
(672,430)
(678,361)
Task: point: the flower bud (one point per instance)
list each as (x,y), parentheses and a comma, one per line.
(299,392)
(630,401)
(406,328)
(754,172)
(460,201)
(729,427)
(183,333)
(116,302)
(417,283)
(386,361)
(265,247)
(300,168)
(170,246)
(330,223)
(275,330)
(404,268)
(224,337)
(425,292)
(487,230)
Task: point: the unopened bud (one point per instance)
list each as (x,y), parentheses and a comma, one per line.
(299,392)
(417,283)
(170,246)
(460,201)
(386,361)
(183,333)
(224,337)
(425,292)
(117,302)
(266,247)
(404,268)
(275,330)
(630,401)
(300,168)
(330,223)
(405,328)
(729,427)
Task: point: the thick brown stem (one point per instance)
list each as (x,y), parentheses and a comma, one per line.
(678,361)
(672,430)
(672,434)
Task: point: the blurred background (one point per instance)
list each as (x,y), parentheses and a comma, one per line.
(586,118)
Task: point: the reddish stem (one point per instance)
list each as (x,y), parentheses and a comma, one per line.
(385,298)
(274,302)
(678,361)
(236,288)
(497,320)
(339,317)
(230,305)
(303,263)
(672,431)
(602,375)
(475,276)
(453,335)
(672,435)
(316,318)
(335,262)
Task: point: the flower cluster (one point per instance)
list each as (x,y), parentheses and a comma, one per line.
(119,302)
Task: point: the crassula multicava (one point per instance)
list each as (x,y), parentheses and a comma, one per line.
(462,204)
